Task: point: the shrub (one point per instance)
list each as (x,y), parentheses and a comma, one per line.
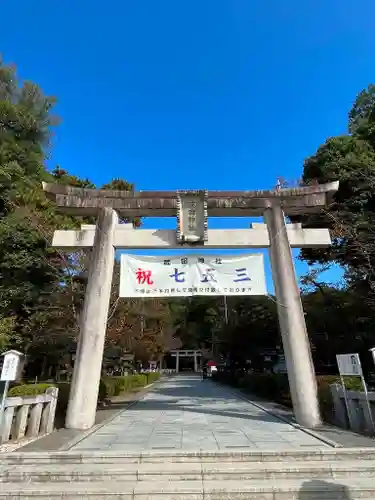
(138,380)
(152,377)
(29,389)
(267,385)
(102,390)
(108,387)
(275,387)
(113,386)
(230,377)
(324,392)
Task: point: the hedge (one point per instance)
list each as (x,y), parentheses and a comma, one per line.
(152,377)
(275,387)
(29,389)
(109,387)
(325,396)
(113,386)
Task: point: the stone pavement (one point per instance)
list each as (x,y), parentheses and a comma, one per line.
(186,413)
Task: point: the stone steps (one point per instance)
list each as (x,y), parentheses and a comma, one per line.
(110,457)
(343,489)
(241,471)
(332,474)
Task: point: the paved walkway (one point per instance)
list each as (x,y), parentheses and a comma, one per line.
(185,413)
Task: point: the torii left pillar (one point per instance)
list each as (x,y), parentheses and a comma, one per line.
(93,323)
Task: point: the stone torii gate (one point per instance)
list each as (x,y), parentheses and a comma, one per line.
(191,209)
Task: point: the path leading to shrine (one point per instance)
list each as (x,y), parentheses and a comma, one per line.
(186,413)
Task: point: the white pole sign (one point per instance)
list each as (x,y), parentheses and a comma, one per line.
(9,372)
(10,366)
(349,364)
(181,276)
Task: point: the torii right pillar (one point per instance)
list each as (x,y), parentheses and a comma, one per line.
(301,373)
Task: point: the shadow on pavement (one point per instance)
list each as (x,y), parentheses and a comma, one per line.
(201,394)
(164,406)
(316,490)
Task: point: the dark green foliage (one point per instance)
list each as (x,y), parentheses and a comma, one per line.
(275,387)
(252,328)
(28,269)
(362,115)
(351,217)
(41,289)
(270,386)
(195,320)
(63,399)
(325,396)
(343,319)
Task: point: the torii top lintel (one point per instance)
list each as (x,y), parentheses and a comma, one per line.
(294,201)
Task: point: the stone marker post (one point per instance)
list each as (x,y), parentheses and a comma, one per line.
(177,362)
(301,374)
(195,362)
(87,369)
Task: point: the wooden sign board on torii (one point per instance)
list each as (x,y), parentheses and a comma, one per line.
(192,209)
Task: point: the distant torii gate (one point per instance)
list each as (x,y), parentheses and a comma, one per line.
(196,354)
(191,209)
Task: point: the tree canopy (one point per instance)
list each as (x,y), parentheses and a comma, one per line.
(351,217)
(41,289)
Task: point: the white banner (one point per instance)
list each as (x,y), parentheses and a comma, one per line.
(349,364)
(181,276)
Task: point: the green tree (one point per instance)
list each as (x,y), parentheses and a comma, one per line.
(26,266)
(351,216)
(41,289)
(341,318)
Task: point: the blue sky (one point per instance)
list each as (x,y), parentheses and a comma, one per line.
(216,94)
